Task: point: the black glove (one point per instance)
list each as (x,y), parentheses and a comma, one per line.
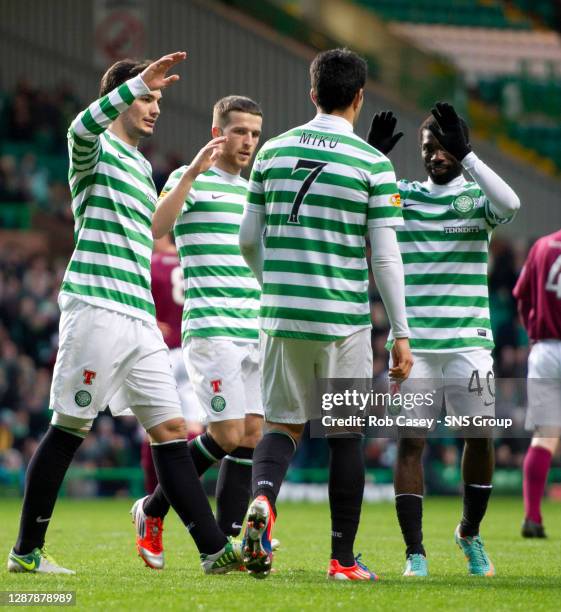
(381,136)
(449,132)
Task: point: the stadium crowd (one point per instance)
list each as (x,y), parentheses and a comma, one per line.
(34,122)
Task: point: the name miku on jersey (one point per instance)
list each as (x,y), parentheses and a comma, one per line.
(320,188)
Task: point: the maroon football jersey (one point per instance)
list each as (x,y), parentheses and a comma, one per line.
(167,289)
(538,289)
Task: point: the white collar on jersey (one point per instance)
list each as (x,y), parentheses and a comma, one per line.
(331,121)
(435,188)
(127,146)
(231,178)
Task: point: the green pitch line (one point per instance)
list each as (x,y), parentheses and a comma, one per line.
(96,539)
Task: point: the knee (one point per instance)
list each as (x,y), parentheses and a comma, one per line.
(294,430)
(174,429)
(227,434)
(253,431)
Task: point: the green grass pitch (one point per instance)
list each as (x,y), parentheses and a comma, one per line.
(96,539)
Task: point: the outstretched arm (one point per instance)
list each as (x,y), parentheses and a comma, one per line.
(503,201)
(452,136)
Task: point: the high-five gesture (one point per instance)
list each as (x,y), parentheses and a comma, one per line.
(381,134)
(155,75)
(450,134)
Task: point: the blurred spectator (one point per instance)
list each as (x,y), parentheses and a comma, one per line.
(20,117)
(11,187)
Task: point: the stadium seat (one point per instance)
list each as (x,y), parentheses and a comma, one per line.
(461,13)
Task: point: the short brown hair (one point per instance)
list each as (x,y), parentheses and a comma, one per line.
(226,105)
(120,72)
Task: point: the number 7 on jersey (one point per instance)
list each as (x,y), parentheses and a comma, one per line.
(316,168)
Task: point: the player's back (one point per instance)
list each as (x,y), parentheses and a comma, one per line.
(543,288)
(321,186)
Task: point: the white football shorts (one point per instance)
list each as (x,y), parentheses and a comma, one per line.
(187,396)
(464,380)
(225,376)
(106,358)
(544,385)
(291,367)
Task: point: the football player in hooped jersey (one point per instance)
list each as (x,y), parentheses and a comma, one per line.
(111,350)
(538,292)
(203,202)
(315,193)
(444,247)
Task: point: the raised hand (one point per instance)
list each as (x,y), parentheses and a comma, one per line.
(155,74)
(207,156)
(449,132)
(381,134)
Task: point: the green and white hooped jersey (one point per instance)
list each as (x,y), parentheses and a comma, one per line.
(444,245)
(320,187)
(113,200)
(221,293)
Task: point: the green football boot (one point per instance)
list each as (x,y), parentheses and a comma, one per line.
(36,562)
(479,563)
(416,565)
(225,560)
